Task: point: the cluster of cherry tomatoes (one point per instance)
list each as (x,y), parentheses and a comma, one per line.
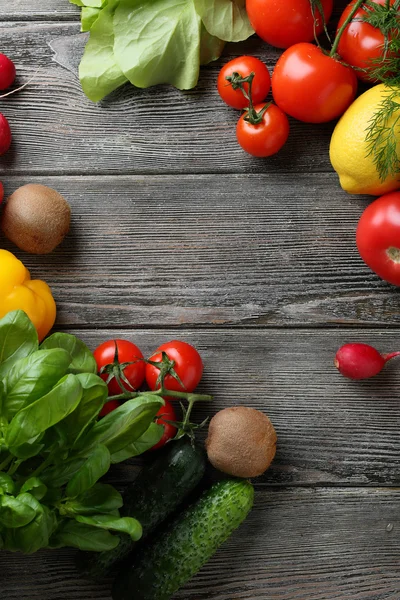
(122,365)
(7,78)
(308,83)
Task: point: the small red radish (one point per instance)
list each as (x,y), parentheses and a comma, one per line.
(5,135)
(7,72)
(1,192)
(361,361)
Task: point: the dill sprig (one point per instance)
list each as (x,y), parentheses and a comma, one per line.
(383,130)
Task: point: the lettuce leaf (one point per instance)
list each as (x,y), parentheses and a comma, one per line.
(225,19)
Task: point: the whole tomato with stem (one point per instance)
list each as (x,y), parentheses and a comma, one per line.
(182,371)
(165,414)
(283,23)
(312,86)
(121,364)
(230,82)
(378,237)
(263,131)
(362,45)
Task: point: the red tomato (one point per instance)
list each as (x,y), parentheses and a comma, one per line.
(311,86)
(360,43)
(267,137)
(244,65)
(283,23)
(109,407)
(105,354)
(378,237)
(188,366)
(1,193)
(167,412)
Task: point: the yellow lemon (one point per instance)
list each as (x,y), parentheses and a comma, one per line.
(349,149)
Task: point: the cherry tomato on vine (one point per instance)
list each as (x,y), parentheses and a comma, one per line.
(109,407)
(360,42)
(244,65)
(188,366)
(378,237)
(283,23)
(312,86)
(166,412)
(265,138)
(112,354)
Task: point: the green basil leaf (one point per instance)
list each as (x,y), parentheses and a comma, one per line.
(14,512)
(39,416)
(127,525)
(60,474)
(98,71)
(18,339)
(88,17)
(124,425)
(35,535)
(28,450)
(35,486)
(211,47)
(90,472)
(84,537)
(101,498)
(226,19)
(146,441)
(7,483)
(94,395)
(32,377)
(158,42)
(82,360)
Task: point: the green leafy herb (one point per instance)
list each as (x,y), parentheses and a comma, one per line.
(225,19)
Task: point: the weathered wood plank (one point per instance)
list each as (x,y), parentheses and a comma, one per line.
(330,430)
(56,129)
(296,545)
(37,9)
(221,250)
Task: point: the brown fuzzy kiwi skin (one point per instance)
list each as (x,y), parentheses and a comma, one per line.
(241,441)
(36,218)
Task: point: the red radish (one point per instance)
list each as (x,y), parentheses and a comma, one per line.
(1,192)
(109,407)
(360,361)
(7,72)
(5,135)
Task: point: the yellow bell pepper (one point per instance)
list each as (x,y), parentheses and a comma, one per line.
(19,291)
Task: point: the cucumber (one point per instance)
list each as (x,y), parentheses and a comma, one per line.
(174,556)
(156,492)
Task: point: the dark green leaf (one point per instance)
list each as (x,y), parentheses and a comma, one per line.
(124,425)
(14,512)
(127,525)
(146,441)
(90,472)
(82,360)
(32,377)
(36,418)
(7,483)
(84,537)
(101,498)
(35,486)
(28,450)
(18,339)
(61,473)
(35,535)
(94,395)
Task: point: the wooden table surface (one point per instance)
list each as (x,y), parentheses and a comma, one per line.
(176,233)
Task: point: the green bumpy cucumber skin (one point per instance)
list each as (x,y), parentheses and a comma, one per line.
(188,543)
(156,492)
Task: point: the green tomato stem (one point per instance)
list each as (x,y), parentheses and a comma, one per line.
(343,27)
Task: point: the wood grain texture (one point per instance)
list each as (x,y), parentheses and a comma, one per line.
(37,9)
(296,545)
(330,430)
(57,130)
(221,250)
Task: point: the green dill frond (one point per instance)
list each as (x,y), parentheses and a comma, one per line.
(316,6)
(383,133)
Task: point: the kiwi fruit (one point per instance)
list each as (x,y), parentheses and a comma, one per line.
(36,218)
(241,441)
